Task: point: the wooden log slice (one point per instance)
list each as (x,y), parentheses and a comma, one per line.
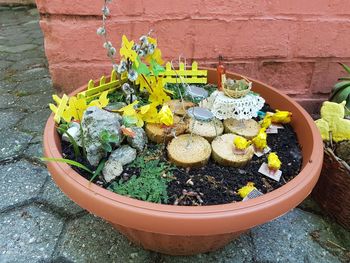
(223,152)
(160,133)
(179,108)
(208,130)
(246,128)
(185,151)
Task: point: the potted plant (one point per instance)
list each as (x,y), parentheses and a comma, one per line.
(331,191)
(207,141)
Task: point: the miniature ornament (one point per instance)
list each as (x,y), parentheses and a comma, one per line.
(224,152)
(271,168)
(283,117)
(196,93)
(245,190)
(240,144)
(224,107)
(253,194)
(200,114)
(221,74)
(260,141)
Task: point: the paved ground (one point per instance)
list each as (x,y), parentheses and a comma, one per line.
(39,224)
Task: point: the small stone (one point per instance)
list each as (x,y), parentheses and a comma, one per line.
(96,120)
(140,139)
(112,169)
(74,131)
(124,154)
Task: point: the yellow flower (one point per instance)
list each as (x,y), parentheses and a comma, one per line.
(158,96)
(149,113)
(77,107)
(127,52)
(166,116)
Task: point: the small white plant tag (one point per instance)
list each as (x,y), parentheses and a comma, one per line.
(275,175)
(265,151)
(276,126)
(253,194)
(272,130)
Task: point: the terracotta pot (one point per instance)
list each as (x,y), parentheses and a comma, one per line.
(178,230)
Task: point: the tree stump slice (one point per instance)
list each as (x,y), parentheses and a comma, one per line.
(223,152)
(160,133)
(245,128)
(178,107)
(194,154)
(208,130)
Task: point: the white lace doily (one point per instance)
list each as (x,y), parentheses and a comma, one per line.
(224,107)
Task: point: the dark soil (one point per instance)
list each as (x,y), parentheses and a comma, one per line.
(215,184)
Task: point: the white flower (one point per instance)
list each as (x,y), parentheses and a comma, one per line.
(105,11)
(122,67)
(101,31)
(115,67)
(107,45)
(150,49)
(132,75)
(144,40)
(136,47)
(111,51)
(141,53)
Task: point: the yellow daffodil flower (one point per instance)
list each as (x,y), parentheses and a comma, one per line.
(127,52)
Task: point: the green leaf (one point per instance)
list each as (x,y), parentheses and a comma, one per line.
(340,85)
(347,68)
(341,95)
(113,138)
(71,162)
(346,78)
(129,121)
(156,68)
(72,141)
(104,136)
(100,167)
(107,147)
(142,68)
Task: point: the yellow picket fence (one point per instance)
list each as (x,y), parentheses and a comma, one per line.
(190,76)
(93,92)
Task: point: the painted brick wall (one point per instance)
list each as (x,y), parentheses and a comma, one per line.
(293,45)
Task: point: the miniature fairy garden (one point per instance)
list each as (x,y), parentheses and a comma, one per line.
(159,132)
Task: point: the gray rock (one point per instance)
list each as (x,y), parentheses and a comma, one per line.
(111,170)
(28,235)
(140,139)
(19,182)
(124,154)
(95,121)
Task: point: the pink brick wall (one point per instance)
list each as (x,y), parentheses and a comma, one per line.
(292,45)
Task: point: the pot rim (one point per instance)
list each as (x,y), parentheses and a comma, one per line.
(307,177)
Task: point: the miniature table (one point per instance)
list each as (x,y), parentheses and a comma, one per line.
(224,107)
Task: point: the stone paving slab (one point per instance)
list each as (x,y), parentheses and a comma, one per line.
(19,182)
(28,234)
(90,239)
(40,224)
(13,143)
(53,196)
